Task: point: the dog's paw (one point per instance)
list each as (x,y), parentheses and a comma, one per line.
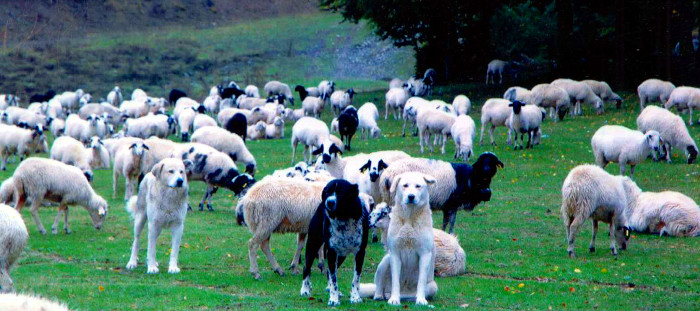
(132,264)
(355,299)
(333,302)
(421,301)
(152,269)
(173,270)
(394,301)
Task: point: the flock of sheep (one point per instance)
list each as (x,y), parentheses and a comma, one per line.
(130,135)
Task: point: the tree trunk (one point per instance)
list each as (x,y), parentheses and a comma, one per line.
(566,53)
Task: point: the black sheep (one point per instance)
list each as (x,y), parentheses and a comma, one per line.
(176,94)
(40,98)
(347,125)
(303,93)
(237,124)
(231,92)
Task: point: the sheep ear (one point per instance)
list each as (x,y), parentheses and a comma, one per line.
(133,146)
(365,167)
(429,179)
(499,164)
(334,149)
(101,211)
(394,184)
(189,165)
(382,165)
(318,151)
(146,147)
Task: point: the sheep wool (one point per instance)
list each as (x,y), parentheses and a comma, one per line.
(614,143)
(13,238)
(494,112)
(653,90)
(664,213)
(23,302)
(672,129)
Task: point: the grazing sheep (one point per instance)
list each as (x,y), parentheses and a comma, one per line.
(38,179)
(580,93)
(174,96)
(22,142)
(129,163)
(664,213)
(310,132)
(15,115)
(396,99)
(590,192)
(227,113)
(7,191)
(684,97)
(614,143)
(83,130)
(135,108)
(553,97)
(367,115)
(40,98)
(518,93)
(672,129)
(347,125)
(22,302)
(279,88)
(525,119)
(463,132)
(325,89)
(653,90)
(498,66)
(115,116)
(340,100)
(256,131)
(13,238)
(238,124)
(276,129)
(434,122)
(252,102)
(114,97)
(278,205)
(212,103)
(228,143)
(252,91)
(458,184)
(603,90)
(313,106)
(410,112)
(70,101)
(202,120)
(72,152)
(494,112)
(462,105)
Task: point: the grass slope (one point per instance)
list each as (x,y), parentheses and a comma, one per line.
(515,244)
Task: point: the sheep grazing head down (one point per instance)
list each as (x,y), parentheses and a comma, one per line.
(241,183)
(329,152)
(692,154)
(375,169)
(98,211)
(653,140)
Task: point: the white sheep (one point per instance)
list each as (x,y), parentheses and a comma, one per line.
(83,130)
(396,82)
(135,108)
(256,131)
(13,238)
(524,119)
(313,106)
(184,103)
(325,89)
(19,141)
(251,102)
(70,101)
(653,90)
(462,105)
(684,97)
(138,93)
(463,131)
(518,93)
(494,67)
(367,116)
(72,152)
(340,100)
(7,191)
(279,88)
(436,122)
(614,143)
(23,302)
(151,125)
(128,163)
(309,131)
(252,91)
(410,112)
(276,129)
(113,115)
(442,105)
(553,97)
(494,112)
(212,103)
(396,99)
(114,97)
(202,120)
(664,213)
(590,192)
(278,205)
(580,93)
(672,129)
(227,113)
(603,90)
(228,143)
(37,179)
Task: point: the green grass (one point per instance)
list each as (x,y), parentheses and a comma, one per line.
(515,245)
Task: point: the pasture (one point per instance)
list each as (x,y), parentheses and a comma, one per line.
(515,244)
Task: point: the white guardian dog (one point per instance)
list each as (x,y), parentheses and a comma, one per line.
(162,200)
(410,245)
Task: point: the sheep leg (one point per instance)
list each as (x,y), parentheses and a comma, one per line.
(613,248)
(139,222)
(153,233)
(493,141)
(622,168)
(204,199)
(403,132)
(690,110)
(571,231)
(386,111)
(36,202)
(529,139)
(54,227)
(420,135)
(265,246)
(294,266)
(253,245)
(500,73)
(306,151)
(444,140)
(591,247)
(115,179)
(667,149)
(294,149)
(631,170)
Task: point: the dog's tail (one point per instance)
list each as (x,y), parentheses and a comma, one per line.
(367,290)
(131,206)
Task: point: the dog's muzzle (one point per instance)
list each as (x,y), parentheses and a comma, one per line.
(179,182)
(331,203)
(411,198)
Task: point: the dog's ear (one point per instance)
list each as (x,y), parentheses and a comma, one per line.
(366,166)
(429,179)
(157,170)
(392,190)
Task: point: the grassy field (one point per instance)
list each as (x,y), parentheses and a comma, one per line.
(515,245)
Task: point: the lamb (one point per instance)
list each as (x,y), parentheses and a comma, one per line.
(310,132)
(252,91)
(553,97)
(368,115)
(313,106)
(590,192)
(518,93)
(114,97)
(347,125)
(13,238)
(614,143)
(462,105)
(22,142)
(278,205)
(664,213)
(458,184)
(340,100)
(672,129)
(579,93)
(463,132)
(450,259)
(434,122)
(684,97)
(494,112)
(279,88)
(652,90)
(325,89)
(212,103)
(202,120)
(276,129)
(525,119)
(128,163)
(37,179)
(256,131)
(396,100)
(603,90)
(228,143)
(70,151)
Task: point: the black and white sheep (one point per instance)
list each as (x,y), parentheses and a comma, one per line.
(228,143)
(340,100)
(524,119)
(279,88)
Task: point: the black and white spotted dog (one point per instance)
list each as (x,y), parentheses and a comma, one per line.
(340,225)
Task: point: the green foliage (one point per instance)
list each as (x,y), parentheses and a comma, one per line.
(524,29)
